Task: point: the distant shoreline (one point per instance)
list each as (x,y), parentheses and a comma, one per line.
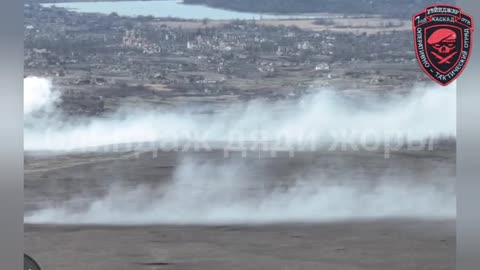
(272,15)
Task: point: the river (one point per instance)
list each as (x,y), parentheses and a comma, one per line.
(172,8)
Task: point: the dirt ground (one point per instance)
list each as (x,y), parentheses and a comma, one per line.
(387,244)
(346,25)
(374,244)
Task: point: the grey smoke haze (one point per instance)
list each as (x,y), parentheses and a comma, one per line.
(427,112)
(208,193)
(204,192)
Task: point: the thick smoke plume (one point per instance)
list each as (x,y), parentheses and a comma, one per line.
(208,193)
(317,118)
(205,192)
(38,96)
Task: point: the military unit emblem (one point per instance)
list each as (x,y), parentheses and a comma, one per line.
(443,41)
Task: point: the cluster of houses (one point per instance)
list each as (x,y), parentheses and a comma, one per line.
(59,41)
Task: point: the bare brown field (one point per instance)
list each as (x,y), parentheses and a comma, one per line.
(373,244)
(347,25)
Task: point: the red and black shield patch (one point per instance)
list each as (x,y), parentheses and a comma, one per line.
(443,41)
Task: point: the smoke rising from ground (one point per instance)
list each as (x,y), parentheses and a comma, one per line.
(322,117)
(208,193)
(205,192)
(38,96)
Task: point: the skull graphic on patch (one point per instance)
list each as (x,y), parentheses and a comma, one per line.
(443,41)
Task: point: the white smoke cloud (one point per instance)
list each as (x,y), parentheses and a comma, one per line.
(209,193)
(38,95)
(426,112)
